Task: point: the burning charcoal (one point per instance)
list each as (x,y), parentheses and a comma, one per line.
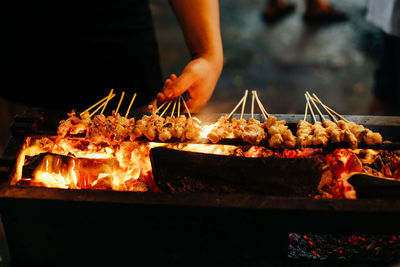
(104,183)
(199,172)
(378,163)
(373,187)
(386,170)
(58,162)
(67,171)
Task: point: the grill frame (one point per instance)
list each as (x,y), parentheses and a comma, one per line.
(229,228)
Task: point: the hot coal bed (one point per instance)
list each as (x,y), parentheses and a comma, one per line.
(228,209)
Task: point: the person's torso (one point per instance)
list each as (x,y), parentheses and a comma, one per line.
(78,45)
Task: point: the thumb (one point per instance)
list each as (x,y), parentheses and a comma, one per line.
(178,86)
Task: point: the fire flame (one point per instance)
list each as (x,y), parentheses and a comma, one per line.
(206,129)
(75,163)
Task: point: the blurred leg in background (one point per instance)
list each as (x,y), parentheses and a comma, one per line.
(386,90)
(277,9)
(386,16)
(318,11)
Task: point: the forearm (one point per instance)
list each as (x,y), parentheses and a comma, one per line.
(199,20)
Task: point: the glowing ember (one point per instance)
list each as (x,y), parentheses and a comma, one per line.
(76,163)
(344,162)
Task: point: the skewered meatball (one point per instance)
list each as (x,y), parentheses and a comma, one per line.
(275,141)
(320,136)
(372,138)
(289,140)
(221,130)
(280,135)
(238,127)
(304,131)
(253,132)
(193,129)
(358,130)
(180,124)
(74,125)
(167,130)
(334,132)
(348,135)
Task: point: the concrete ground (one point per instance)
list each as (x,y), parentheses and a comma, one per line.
(284,59)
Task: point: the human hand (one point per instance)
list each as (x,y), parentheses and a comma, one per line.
(198,79)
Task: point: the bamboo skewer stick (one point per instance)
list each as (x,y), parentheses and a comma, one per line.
(187,109)
(326,107)
(94,105)
(130,105)
(315,105)
(311,110)
(108,99)
(173,107)
(169,104)
(160,107)
(244,104)
(253,97)
(337,114)
(263,111)
(179,105)
(120,101)
(235,108)
(327,110)
(305,112)
(101,106)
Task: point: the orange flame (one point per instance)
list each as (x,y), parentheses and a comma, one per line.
(75,164)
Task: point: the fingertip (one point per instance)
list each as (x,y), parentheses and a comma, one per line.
(173,77)
(160,98)
(167,82)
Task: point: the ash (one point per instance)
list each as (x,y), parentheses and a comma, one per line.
(324,248)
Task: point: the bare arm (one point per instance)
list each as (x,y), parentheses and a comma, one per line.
(199,20)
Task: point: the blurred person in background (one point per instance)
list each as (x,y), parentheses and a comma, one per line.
(386,92)
(317,11)
(65,55)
